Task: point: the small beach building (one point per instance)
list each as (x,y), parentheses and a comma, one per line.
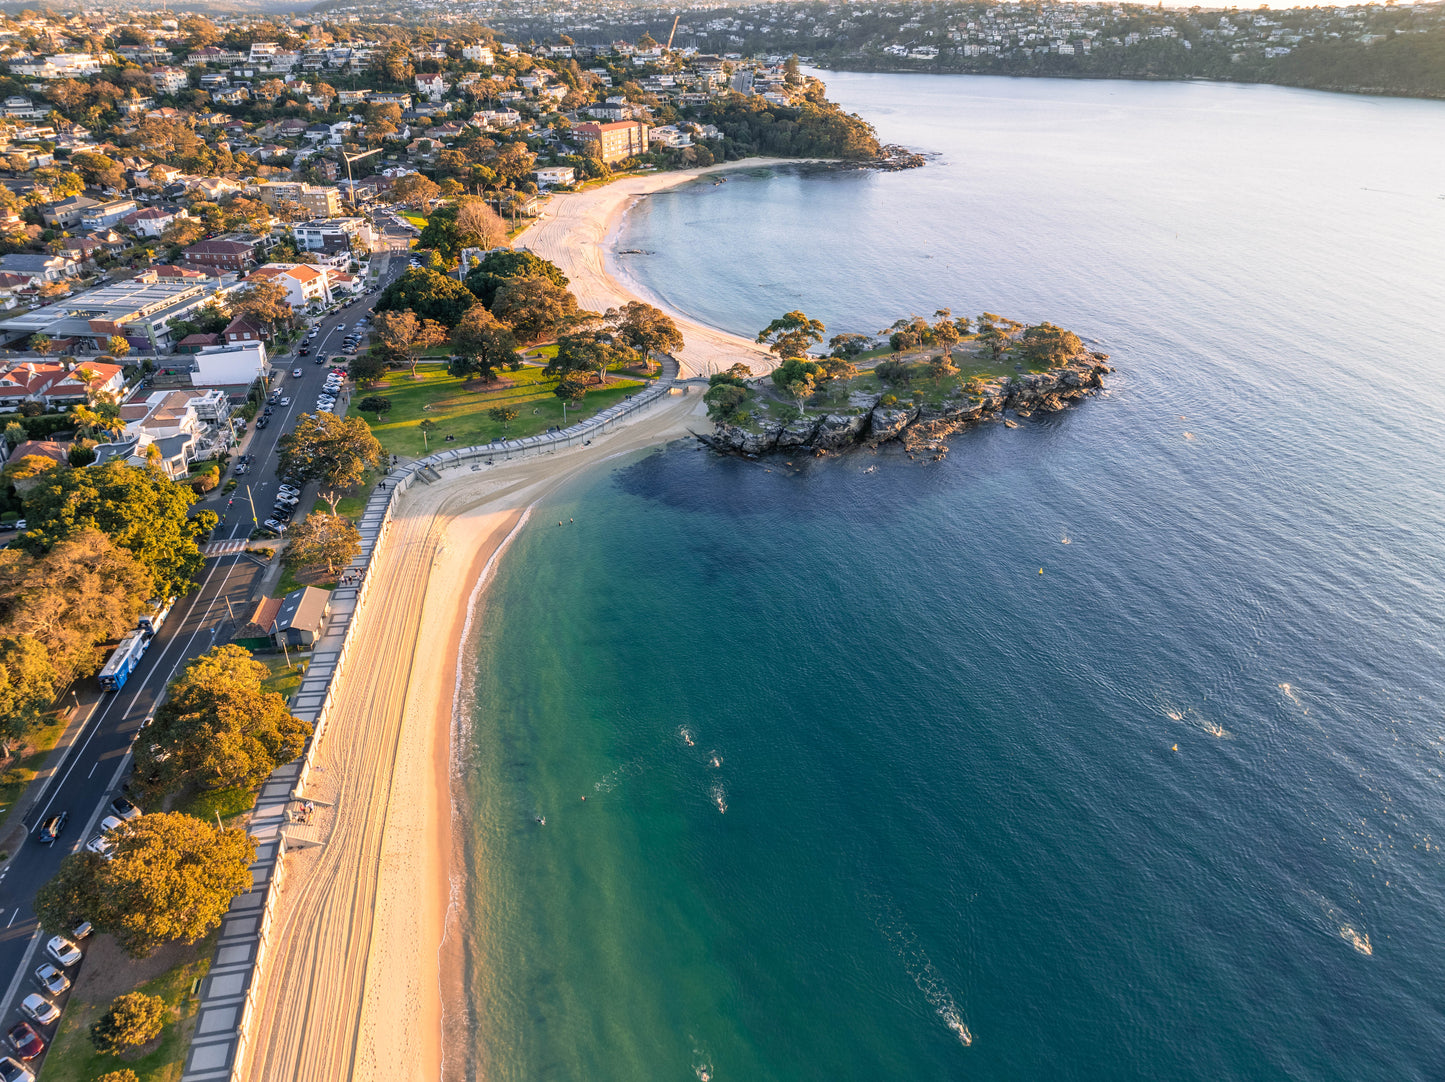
(302,617)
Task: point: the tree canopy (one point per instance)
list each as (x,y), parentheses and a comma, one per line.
(428,293)
(1048,345)
(171,877)
(483,344)
(134,1018)
(467,223)
(319,540)
(791,334)
(496,267)
(534,306)
(588,350)
(333,451)
(402,337)
(139,508)
(218,728)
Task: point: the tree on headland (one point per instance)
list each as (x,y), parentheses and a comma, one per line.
(798,378)
(334,451)
(1048,346)
(724,400)
(791,334)
(321,540)
(849,344)
(997,332)
(170,877)
(946,330)
(588,350)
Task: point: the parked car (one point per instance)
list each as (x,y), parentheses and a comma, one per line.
(290,490)
(100,845)
(124,808)
(63,951)
(14,1071)
(261,422)
(81,930)
(25,1040)
(52,979)
(39,1008)
(49,830)
(272,524)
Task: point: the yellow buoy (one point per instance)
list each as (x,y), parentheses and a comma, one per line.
(1041,571)
(1176,747)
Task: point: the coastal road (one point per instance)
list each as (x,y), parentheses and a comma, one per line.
(91,772)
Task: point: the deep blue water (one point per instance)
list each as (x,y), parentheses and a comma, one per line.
(1170,809)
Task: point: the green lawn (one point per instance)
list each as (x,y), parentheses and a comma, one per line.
(460,409)
(284,677)
(72,1058)
(417,220)
(229,804)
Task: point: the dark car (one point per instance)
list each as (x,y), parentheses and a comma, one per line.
(49,830)
(262,422)
(303,351)
(25,1040)
(123,807)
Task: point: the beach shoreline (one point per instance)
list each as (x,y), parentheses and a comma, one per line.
(576,230)
(416,965)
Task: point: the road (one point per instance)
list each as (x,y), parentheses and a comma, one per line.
(91,772)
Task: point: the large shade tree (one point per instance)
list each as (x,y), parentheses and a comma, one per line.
(429,294)
(791,334)
(333,451)
(483,344)
(138,507)
(320,540)
(219,728)
(534,306)
(170,877)
(402,337)
(497,267)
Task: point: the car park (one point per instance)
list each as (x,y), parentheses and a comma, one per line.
(50,829)
(63,951)
(52,979)
(26,1042)
(39,1008)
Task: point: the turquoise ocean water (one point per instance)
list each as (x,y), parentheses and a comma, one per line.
(862,786)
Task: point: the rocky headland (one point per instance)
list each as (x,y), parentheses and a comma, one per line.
(867,421)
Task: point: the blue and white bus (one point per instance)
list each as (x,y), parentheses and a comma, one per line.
(151,622)
(123,661)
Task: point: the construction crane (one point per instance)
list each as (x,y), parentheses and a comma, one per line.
(675,19)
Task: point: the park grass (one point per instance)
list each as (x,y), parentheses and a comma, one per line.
(418,220)
(285,678)
(72,1058)
(230,804)
(39,743)
(460,408)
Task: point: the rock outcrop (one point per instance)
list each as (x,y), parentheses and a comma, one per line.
(917,426)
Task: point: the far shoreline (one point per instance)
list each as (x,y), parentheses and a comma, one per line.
(576,229)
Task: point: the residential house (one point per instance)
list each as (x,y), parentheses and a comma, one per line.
(313,235)
(183,426)
(322,201)
(245,328)
(56,452)
(105,215)
(66,213)
(670,135)
(478,54)
(550,176)
(305,284)
(170,80)
(81,249)
(229,364)
(51,384)
(153,221)
(431,86)
(50,268)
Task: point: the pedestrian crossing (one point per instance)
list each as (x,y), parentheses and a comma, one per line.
(224,548)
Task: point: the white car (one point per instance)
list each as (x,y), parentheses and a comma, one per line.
(100,845)
(51,979)
(13,1071)
(110,822)
(295,373)
(63,951)
(39,1009)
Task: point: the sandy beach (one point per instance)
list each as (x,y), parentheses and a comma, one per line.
(362,959)
(576,229)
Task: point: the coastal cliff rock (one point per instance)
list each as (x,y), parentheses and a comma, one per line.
(918,426)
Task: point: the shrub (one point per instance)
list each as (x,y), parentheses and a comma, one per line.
(125,1074)
(888,400)
(134,1018)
